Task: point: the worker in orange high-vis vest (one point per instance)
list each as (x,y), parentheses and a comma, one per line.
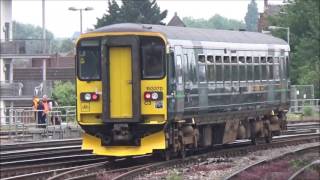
(35,104)
(45,108)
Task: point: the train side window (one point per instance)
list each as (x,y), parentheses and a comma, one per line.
(192,72)
(241,60)
(153,53)
(210,59)
(186,68)
(242,68)
(227,72)
(89,60)
(270,65)
(218,59)
(249,60)
(256,69)
(226,59)
(202,73)
(233,59)
(179,69)
(283,68)
(219,72)
(202,58)
(211,72)
(235,72)
(276,69)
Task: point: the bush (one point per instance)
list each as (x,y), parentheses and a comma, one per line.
(308,111)
(64,93)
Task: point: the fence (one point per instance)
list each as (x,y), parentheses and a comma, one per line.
(303,105)
(23,124)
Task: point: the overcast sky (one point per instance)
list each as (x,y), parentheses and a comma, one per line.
(63,23)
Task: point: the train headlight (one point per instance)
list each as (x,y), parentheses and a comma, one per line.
(153,96)
(87,96)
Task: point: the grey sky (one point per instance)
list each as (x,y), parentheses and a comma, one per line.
(63,23)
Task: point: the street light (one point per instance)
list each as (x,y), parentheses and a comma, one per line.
(80,9)
(286,28)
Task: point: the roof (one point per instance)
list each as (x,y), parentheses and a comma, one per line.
(196,34)
(176,21)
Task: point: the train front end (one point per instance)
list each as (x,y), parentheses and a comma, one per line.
(121,92)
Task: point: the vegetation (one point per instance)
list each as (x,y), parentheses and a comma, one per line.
(303,18)
(142,11)
(215,22)
(252,16)
(30,32)
(64,93)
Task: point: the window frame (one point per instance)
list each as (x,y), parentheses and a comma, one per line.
(78,66)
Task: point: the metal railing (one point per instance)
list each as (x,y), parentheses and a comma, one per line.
(23,123)
(26,47)
(303,105)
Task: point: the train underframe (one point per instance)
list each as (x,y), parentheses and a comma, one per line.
(177,137)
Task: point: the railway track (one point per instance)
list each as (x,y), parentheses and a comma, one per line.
(131,172)
(243,173)
(40,144)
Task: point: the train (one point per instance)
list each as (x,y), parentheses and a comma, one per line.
(156,89)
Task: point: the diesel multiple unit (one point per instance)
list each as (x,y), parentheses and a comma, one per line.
(158,89)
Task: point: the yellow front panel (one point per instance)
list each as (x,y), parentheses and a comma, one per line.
(120,82)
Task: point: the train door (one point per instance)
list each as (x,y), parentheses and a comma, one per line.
(179,96)
(121,90)
(120,82)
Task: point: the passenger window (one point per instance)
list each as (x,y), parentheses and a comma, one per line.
(263,60)
(241,60)
(89,60)
(186,68)
(210,59)
(219,72)
(227,72)
(226,59)
(234,71)
(256,59)
(202,73)
(153,52)
(276,70)
(249,60)
(233,59)
(242,73)
(211,72)
(218,59)
(201,58)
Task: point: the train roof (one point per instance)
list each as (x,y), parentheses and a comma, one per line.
(196,34)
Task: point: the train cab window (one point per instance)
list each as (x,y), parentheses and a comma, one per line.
(153,53)
(202,58)
(210,59)
(89,60)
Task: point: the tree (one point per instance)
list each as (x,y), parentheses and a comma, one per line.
(215,22)
(252,16)
(142,11)
(302,16)
(33,35)
(64,93)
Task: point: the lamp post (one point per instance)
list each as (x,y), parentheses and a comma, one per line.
(286,28)
(80,9)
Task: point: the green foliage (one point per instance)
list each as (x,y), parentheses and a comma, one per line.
(252,16)
(64,93)
(308,111)
(30,32)
(142,11)
(215,22)
(303,18)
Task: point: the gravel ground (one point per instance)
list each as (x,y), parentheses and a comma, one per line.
(219,168)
